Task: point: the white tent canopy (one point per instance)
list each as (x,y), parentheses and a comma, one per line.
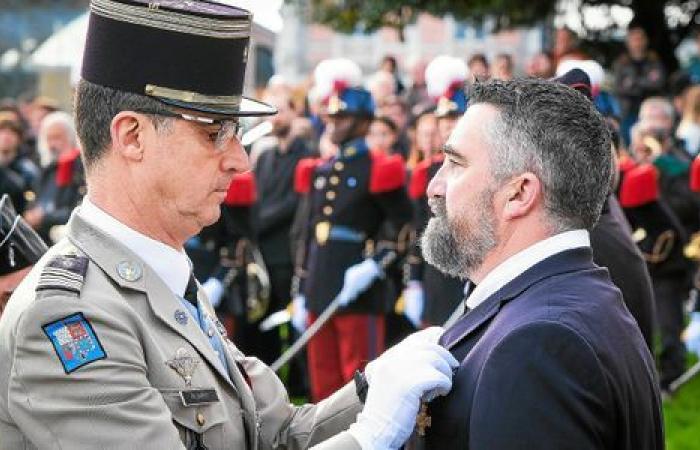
(65,48)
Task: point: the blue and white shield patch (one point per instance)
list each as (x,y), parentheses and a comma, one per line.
(75,341)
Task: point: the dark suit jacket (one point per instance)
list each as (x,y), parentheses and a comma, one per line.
(553,360)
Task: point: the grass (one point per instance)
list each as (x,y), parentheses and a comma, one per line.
(682,417)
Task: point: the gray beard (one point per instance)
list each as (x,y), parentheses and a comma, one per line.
(456,249)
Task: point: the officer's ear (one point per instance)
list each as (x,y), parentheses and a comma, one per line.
(127,133)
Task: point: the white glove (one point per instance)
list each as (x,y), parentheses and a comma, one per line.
(692,334)
(300,316)
(413,302)
(399,379)
(214,290)
(357,279)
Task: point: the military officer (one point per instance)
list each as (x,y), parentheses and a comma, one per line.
(428,290)
(109,342)
(355,197)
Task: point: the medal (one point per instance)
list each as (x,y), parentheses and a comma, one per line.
(184,365)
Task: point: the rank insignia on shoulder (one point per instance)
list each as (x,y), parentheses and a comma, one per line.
(64,272)
(74,341)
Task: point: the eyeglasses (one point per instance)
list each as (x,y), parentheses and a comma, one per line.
(226,131)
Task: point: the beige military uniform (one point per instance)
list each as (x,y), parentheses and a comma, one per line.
(132,397)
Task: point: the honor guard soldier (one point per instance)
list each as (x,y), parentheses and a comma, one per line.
(109,342)
(661,238)
(355,197)
(428,289)
(20,248)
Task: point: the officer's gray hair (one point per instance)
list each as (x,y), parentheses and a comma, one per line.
(556,133)
(96,106)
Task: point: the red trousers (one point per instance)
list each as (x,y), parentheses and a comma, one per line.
(346,343)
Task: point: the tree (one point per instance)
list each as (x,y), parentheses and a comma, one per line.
(667,22)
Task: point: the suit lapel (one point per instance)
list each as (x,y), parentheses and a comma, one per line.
(112,257)
(468,324)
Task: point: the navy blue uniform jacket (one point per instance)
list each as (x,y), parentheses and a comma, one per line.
(554,361)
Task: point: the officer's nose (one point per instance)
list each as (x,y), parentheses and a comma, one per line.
(235,157)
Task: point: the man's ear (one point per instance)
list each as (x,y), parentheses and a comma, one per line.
(127,132)
(522,196)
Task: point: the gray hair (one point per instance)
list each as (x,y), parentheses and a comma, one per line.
(556,133)
(96,106)
(62,119)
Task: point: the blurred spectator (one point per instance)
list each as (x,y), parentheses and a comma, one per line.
(688,131)
(566,46)
(478,66)
(395,108)
(503,67)
(61,185)
(382,135)
(427,139)
(639,74)
(417,95)
(11,134)
(540,66)
(678,84)
(382,87)
(693,66)
(390,66)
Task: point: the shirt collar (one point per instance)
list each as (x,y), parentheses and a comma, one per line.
(509,269)
(172,266)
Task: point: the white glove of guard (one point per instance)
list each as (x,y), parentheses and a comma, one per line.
(692,334)
(417,368)
(300,316)
(357,279)
(214,290)
(414,302)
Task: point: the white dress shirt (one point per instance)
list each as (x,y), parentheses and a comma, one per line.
(172,266)
(509,269)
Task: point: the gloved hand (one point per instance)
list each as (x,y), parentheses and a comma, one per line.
(300,316)
(398,380)
(214,290)
(413,302)
(357,279)
(692,334)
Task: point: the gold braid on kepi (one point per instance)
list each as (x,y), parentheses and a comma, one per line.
(187,54)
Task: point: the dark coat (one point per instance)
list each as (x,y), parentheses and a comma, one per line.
(614,248)
(553,360)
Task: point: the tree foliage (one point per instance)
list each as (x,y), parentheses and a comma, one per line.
(667,22)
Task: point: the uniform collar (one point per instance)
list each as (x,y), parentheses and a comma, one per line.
(353,148)
(172,266)
(520,262)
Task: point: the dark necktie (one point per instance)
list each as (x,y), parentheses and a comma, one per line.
(467,293)
(191,291)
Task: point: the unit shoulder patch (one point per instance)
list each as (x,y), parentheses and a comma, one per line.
(74,341)
(65,273)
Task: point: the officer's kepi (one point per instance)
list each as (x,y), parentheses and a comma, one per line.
(20,246)
(187,54)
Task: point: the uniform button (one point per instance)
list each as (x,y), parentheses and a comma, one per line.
(200,419)
(210,332)
(335,180)
(338,166)
(330,195)
(327,210)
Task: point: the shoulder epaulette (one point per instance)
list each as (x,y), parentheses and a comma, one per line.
(695,177)
(64,273)
(303,175)
(639,186)
(419,179)
(65,167)
(242,190)
(387,173)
